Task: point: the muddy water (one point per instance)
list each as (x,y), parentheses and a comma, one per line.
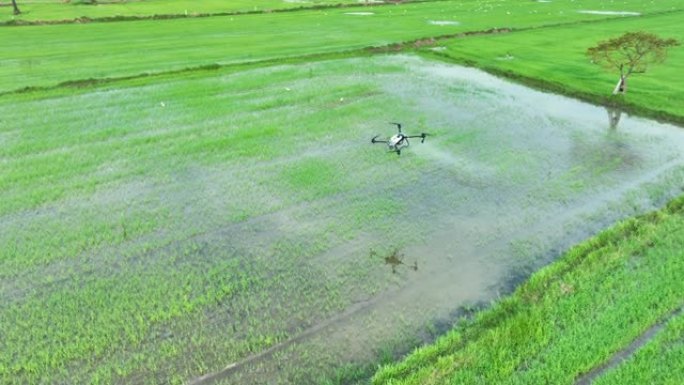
(510,178)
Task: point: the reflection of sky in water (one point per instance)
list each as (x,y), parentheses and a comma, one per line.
(610,13)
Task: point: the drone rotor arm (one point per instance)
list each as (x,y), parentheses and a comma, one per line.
(375,140)
(422,137)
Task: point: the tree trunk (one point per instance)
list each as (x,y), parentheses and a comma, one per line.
(621,86)
(16,9)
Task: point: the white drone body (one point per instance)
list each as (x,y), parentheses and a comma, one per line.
(398,141)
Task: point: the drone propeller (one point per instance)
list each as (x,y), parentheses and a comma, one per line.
(375,140)
(398,126)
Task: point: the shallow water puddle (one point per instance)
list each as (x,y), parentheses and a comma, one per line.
(443,22)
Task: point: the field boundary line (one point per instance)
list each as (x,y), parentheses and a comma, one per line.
(627,352)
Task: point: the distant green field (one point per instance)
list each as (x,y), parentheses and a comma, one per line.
(102,50)
(52,10)
(557,57)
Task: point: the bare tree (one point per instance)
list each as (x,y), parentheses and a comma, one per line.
(630,53)
(15,7)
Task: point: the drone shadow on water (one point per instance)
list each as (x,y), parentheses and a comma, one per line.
(394,259)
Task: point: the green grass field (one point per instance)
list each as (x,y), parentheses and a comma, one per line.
(57,10)
(100,51)
(556,60)
(180,195)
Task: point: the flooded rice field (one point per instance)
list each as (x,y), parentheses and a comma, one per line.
(330,251)
(508,179)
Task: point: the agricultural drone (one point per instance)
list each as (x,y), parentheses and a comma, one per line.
(398,141)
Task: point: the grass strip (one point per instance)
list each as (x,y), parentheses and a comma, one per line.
(569,317)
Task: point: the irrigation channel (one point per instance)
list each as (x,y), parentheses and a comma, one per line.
(508,179)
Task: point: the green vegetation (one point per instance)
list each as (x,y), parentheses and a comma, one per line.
(178,195)
(632,52)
